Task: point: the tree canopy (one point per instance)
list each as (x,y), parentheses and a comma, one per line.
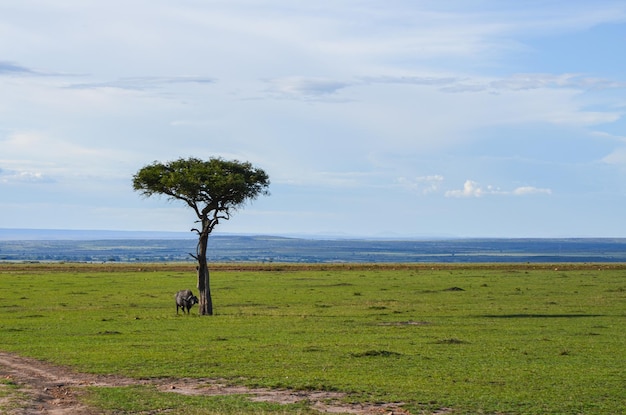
(216,184)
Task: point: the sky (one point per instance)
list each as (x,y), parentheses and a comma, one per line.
(394,118)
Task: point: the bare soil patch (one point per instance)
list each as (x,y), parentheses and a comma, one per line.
(42,388)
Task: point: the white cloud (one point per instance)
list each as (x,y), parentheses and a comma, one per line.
(37,156)
(330,180)
(473,189)
(530,190)
(305,88)
(470,189)
(422,184)
(10,68)
(603,134)
(459,82)
(35,145)
(143,82)
(617,157)
(23,177)
(529,81)
(331,98)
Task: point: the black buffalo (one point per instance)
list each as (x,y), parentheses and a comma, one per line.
(185,300)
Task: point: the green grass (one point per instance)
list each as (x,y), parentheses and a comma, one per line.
(10,395)
(515,339)
(146,399)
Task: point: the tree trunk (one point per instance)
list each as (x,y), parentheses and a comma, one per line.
(205,304)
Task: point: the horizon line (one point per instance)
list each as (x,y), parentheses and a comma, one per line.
(69,234)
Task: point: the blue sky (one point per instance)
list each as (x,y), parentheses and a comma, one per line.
(483,118)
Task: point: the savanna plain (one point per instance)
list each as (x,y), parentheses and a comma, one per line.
(401,338)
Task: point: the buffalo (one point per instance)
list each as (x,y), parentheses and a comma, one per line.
(185,300)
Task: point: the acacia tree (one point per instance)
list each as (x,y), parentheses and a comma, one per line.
(214,189)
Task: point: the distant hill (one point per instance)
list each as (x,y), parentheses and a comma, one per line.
(121,246)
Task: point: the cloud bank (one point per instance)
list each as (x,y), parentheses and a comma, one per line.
(351,107)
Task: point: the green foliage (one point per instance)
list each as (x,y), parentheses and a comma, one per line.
(515,339)
(220,184)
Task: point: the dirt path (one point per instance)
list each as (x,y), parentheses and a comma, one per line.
(33,387)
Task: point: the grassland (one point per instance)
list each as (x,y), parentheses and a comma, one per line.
(493,339)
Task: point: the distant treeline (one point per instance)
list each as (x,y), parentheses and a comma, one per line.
(230,248)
